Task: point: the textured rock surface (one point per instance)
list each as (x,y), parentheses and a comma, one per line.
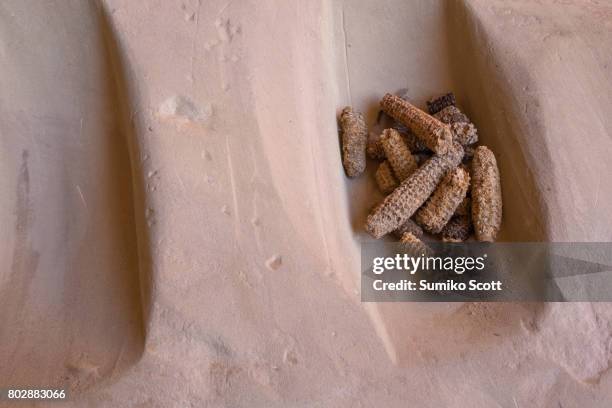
(578,337)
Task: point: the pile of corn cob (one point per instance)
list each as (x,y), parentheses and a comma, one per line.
(433,174)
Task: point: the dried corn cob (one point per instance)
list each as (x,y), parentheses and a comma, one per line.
(374,148)
(385,179)
(383,118)
(469,153)
(399,206)
(463,130)
(435,105)
(413,245)
(440,207)
(354,138)
(409,226)
(465,207)
(397,153)
(434,134)
(450,115)
(413,142)
(457,230)
(421,157)
(464,133)
(486,195)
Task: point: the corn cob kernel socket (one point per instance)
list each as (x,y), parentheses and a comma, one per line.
(398,155)
(414,245)
(439,209)
(434,134)
(464,133)
(486,195)
(385,179)
(401,204)
(354,140)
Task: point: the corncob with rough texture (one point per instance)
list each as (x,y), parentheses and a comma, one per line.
(397,153)
(422,157)
(354,139)
(414,245)
(464,133)
(465,207)
(486,195)
(450,115)
(413,142)
(469,153)
(440,207)
(462,128)
(399,206)
(382,118)
(457,230)
(374,148)
(435,105)
(434,134)
(411,227)
(385,179)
